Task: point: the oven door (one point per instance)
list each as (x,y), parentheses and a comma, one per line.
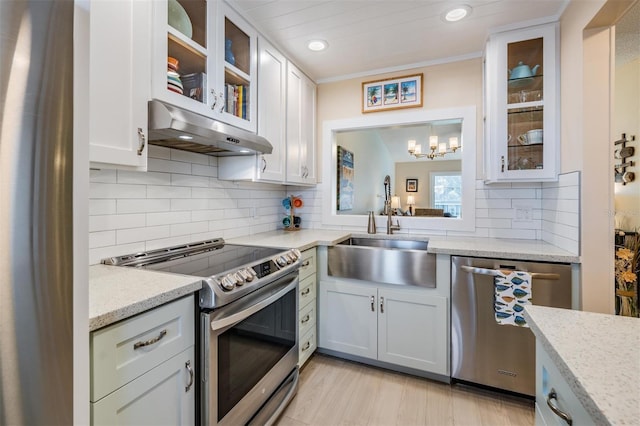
(249,348)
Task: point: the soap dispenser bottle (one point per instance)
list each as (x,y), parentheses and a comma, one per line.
(371,228)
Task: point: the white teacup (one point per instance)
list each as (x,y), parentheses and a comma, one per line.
(531,137)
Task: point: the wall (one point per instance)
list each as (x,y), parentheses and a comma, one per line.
(444,86)
(626,119)
(421,170)
(178,200)
(372,162)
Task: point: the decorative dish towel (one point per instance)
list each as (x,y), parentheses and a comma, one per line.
(512,293)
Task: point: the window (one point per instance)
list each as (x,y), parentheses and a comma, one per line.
(446,192)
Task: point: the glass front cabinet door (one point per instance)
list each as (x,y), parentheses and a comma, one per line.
(205,60)
(522,134)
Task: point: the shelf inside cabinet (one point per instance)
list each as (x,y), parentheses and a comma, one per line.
(197,12)
(237,47)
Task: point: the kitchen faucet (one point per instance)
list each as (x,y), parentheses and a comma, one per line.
(387,207)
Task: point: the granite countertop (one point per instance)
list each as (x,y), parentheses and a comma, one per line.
(466,246)
(597,355)
(116,293)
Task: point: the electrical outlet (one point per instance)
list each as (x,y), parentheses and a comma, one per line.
(523,214)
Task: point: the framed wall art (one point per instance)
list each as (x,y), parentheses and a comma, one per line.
(412,185)
(392,93)
(345,179)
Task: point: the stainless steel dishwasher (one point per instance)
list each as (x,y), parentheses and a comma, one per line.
(483,351)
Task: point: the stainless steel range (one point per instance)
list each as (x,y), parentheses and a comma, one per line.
(248,325)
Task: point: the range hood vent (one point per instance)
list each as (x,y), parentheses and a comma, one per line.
(177,128)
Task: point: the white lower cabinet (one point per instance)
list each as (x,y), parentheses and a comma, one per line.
(143,368)
(164,395)
(405,327)
(556,404)
(307,305)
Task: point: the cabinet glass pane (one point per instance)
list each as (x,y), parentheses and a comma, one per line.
(237,51)
(187,48)
(525,142)
(525,105)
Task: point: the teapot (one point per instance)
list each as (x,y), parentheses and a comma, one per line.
(522,71)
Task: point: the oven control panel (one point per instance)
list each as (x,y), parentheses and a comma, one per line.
(245,278)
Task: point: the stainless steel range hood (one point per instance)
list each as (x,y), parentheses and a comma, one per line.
(177,128)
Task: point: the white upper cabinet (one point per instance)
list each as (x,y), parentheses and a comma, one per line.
(301,125)
(204,60)
(272,108)
(522,133)
(119,63)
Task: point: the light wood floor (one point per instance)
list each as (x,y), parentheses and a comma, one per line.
(338,392)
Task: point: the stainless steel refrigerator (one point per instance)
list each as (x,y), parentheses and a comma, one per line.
(36,240)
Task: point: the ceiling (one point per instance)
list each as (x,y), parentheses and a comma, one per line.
(371,36)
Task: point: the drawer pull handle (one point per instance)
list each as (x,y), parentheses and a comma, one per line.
(306,346)
(187,365)
(564,416)
(305,263)
(305,319)
(305,291)
(138,345)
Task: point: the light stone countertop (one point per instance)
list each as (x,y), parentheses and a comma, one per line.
(597,355)
(116,293)
(535,250)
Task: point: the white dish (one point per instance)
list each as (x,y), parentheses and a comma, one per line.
(520,82)
(179,19)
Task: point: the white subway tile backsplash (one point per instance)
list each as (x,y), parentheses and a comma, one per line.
(168,191)
(527,224)
(493,223)
(512,193)
(115,190)
(570,206)
(168,166)
(116,221)
(182,204)
(189,180)
(143,178)
(189,228)
(499,213)
(143,206)
(161,152)
(97,207)
(102,239)
(564,218)
(189,157)
(525,234)
(127,236)
(97,254)
(204,170)
(208,215)
(561,212)
(168,218)
(495,203)
(102,175)
(218,193)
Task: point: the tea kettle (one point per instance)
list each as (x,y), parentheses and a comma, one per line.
(522,71)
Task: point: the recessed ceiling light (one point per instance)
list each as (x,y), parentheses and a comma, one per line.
(317,45)
(457,13)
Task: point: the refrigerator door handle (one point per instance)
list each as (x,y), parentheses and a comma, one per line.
(494,272)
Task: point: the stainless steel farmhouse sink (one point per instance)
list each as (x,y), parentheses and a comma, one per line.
(402,262)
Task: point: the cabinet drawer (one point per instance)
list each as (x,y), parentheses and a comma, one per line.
(128,349)
(307,346)
(307,291)
(308,264)
(307,319)
(163,395)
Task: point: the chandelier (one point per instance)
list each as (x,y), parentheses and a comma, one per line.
(435,149)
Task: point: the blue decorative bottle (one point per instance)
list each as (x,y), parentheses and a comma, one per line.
(228,54)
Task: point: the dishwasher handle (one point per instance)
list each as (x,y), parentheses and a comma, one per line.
(494,272)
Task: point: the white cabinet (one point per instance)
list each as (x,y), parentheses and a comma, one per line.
(272,101)
(522,132)
(119,63)
(301,147)
(554,397)
(307,342)
(214,53)
(143,368)
(405,327)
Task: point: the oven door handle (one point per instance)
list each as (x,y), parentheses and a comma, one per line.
(260,300)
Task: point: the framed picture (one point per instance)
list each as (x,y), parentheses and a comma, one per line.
(345,179)
(412,185)
(392,93)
